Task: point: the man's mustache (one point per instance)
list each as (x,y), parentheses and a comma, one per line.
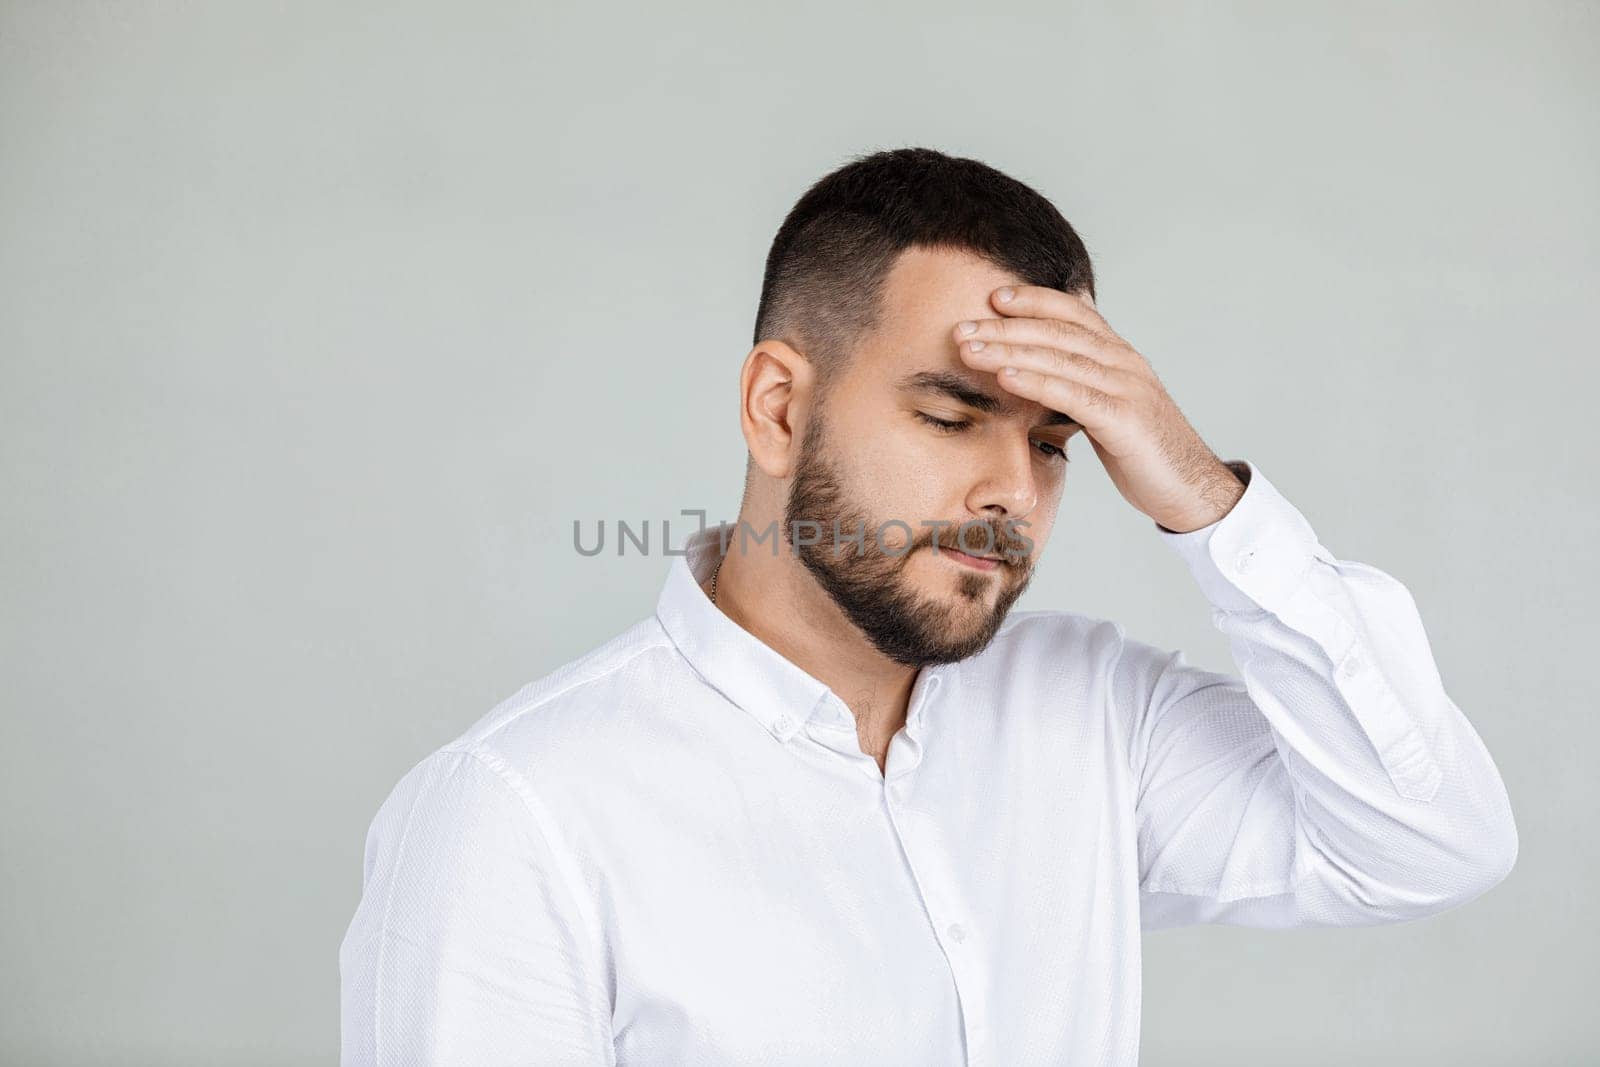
(1002,540)
(985,540)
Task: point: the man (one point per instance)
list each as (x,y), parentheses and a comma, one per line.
(836,803)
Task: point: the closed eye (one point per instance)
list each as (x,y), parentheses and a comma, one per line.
(943,425)
(1054,451)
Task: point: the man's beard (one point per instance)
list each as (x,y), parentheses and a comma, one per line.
(869,584)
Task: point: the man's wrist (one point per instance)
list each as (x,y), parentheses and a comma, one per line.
(1221,492)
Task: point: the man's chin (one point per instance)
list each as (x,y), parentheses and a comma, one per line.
(969,642)
(966,619)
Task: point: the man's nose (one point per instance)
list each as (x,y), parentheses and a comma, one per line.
(1008,488)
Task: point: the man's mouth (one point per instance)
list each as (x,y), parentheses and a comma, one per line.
(981,563)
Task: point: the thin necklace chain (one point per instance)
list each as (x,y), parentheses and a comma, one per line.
(714,575)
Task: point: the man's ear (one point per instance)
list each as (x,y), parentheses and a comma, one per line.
(776,388)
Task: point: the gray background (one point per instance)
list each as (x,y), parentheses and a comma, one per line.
(321,323)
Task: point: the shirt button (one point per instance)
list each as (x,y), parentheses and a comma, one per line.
(1243,561)
(783,722)
(957,932)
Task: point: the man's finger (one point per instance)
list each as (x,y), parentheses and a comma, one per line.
(1040,301)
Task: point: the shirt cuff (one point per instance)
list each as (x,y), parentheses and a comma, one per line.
(1255,555)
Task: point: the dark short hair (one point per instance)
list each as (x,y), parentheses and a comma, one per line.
(827,265)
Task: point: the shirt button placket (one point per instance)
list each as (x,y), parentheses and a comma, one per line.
(973,1011)
(954,936)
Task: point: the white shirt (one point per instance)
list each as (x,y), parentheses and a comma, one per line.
(672,850)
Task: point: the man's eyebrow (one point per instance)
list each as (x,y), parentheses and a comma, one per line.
(961,388)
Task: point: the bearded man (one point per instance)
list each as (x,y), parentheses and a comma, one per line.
(835,802)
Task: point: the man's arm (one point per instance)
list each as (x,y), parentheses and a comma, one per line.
(469,945)
(1333,781)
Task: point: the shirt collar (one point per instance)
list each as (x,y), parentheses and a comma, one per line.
(735,662)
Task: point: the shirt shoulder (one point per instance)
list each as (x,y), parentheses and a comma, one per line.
(582,701)
(1028,640)
(1062,640)
(1045,663)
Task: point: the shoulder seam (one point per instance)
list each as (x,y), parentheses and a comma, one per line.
(382,932)
(661,641)
(544,826)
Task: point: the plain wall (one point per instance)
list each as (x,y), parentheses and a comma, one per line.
(321,323)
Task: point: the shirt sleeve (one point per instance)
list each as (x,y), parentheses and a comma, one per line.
(1332,781)
(468,946)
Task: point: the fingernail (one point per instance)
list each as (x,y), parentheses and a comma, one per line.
(968,327)
(1006,294)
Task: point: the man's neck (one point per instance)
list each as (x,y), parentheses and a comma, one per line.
(777,600)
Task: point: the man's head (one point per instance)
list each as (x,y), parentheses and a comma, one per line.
(859,412)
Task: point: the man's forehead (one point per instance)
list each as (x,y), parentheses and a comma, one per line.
(933,289)
(911,345)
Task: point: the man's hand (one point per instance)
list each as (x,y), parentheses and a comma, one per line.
(1054,348)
